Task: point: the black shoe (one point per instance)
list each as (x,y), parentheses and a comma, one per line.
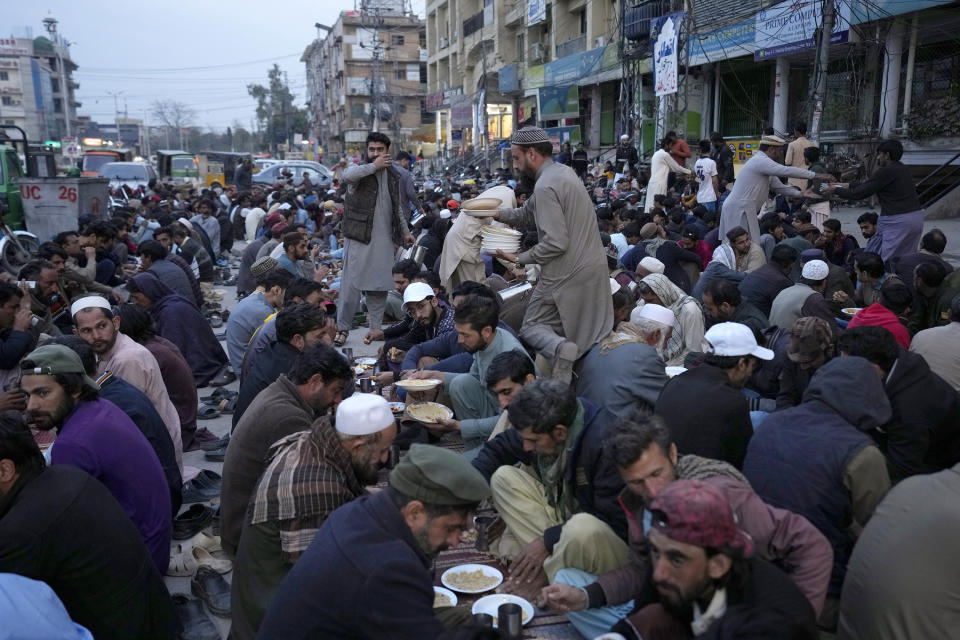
(210,587)
(225,377)
(190,522)
(197,625)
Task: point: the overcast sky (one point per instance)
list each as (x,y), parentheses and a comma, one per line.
(201,52)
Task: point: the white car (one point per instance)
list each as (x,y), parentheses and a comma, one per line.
(132,175)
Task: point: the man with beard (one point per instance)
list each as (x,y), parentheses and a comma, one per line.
(48,302)
(310,474)
(126,359)
(373,224)
(570,309)
(366,575)
(431,318)
(96,436)
(648,461)
(316,381)
(475,406)
(708,580)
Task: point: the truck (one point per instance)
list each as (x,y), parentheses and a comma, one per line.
(35,203)
(96,157)
(177,166)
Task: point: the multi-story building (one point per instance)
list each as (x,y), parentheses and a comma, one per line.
(36,85)
(555,67)
(368,73)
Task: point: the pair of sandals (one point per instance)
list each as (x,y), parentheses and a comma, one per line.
(341,338)
(201,550)
(221,402)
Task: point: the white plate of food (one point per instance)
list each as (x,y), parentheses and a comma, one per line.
(365,362)
(481,203)
(851,311)
(397,408)
(674,371)
(443,598)
(419,385)
(481,213)
(428,412)
(491,604)
(472,578)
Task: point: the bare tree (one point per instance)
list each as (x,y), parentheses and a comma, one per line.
(174,115)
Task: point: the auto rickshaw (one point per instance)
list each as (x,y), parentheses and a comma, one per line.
(178,166)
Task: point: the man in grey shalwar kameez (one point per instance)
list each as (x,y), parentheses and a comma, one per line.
(757,178)
(570,309)
(373,226)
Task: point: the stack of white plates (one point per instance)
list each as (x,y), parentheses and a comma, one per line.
(493,238)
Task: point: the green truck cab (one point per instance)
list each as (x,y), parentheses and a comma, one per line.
(11,170)
(178,166)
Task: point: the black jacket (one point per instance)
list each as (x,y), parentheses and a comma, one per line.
(893,186)
(761,286)
(706,416)
(923,436)
(769,605)
(276,359)
(363,577)
(63,527)
(598,483)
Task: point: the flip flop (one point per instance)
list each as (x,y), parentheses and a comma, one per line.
(208,412)
(227,405)
(341,338)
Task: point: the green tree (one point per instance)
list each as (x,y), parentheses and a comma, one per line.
(276,114)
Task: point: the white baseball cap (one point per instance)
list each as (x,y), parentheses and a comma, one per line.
(733,339)
(362,414)
(624,137)
(415,292)
(815,270)
(657,313)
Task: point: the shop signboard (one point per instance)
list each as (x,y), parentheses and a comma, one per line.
(663,38)
(561,135)
(791,26)
(731,41)
(554,103)
(536,12)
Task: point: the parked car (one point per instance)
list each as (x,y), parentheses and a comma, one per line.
(319,174)
(132,175)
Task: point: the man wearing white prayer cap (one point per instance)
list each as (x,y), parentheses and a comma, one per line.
(571,308)
(649,265)
(310,474)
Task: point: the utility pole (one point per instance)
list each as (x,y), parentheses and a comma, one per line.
(286,109)
(823,61)
(373,21)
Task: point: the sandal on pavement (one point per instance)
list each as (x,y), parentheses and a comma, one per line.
(219,394)
(210,587)
(217,455)
(197,625)
(208,412)
(341,338)
(205,541)
(182,563)
(202,557)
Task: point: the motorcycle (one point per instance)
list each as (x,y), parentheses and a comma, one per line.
(16,247)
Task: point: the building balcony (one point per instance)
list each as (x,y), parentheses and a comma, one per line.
(572,46)
(473,24)
(517,13)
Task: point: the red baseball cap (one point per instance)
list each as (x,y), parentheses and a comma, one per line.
(694,512)
(453,204)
